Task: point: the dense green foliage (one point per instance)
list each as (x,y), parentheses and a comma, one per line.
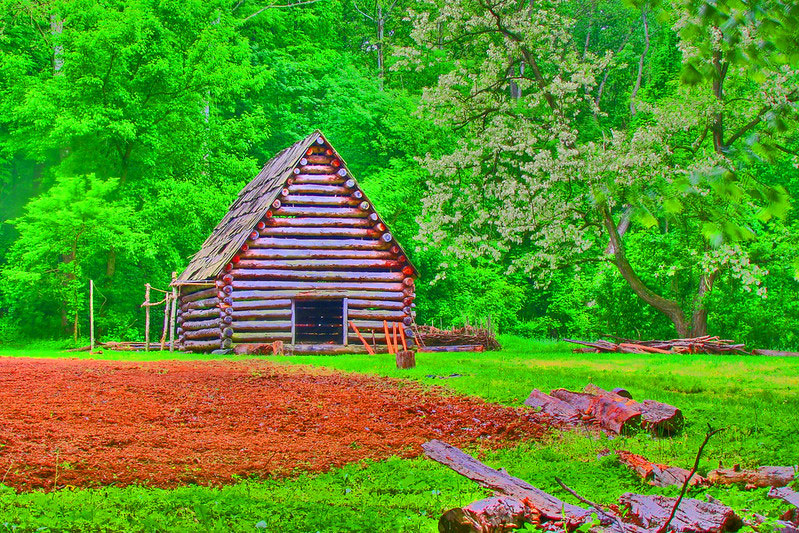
(128,126)
(758,395)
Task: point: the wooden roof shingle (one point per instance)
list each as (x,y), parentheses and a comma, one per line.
(250,206)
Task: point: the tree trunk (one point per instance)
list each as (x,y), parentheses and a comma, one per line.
(381,24)
(670,308)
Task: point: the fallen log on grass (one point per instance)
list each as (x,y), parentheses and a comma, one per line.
(657,417)
(765,476)
(692,516)
(554,407)
(517,503)
(658,475)
(615,416)
(546,508)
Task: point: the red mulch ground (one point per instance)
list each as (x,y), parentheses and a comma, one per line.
(168,423)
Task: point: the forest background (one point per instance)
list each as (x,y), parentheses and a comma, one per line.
(568,168)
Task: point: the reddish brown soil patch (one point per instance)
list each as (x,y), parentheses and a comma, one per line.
(84,423)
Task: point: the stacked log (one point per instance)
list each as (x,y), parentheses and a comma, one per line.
(517,502)
(608,410)
(320,240)
(704,344)
(198,318)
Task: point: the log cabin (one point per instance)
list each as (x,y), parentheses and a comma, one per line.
(300,257)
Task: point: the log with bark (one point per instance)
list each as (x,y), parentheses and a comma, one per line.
(765,476)
(554,407)
(791,497)
(612,415)
(516,502)
(658,475)
(660,418)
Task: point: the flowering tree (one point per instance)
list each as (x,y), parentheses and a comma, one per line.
(545,176)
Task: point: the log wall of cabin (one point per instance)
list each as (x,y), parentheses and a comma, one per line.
(320,239)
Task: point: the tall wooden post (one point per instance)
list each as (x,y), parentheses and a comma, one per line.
(174,312)
(91,316)
(346,322)
(146,317)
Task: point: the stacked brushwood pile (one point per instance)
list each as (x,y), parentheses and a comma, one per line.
(467,335)
(613,411)
(517,503)
(705,344)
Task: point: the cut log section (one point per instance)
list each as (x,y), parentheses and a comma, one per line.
(765,476)
(660,418)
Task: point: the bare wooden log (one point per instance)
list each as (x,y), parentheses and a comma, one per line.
(316,254)
(319,222)
(201,346)
(692,516)
(199,314)
(257,314)
(316,159)
(347,244)
(361,233)
(550,508)
(336,212)
(199,295)
(376,314)
(317,264)
(260,304)
(658,475)
(374,304)
(610,415)
(314,275)
(317,285)
(189,325)
(318,179)
(313,200)
(208,333)
(316,293)
(318,169)
(552,406)
(200,304)
(262,325)
(765,476)
(489,514)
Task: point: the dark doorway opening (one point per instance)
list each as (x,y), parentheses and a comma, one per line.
(319,321)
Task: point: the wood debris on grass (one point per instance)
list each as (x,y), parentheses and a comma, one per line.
(517,502)
(704,344)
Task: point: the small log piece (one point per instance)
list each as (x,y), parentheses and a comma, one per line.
(658,475)
(765,476)
(406,359)
(692,516)
(490,514)
(659,418)
(611,415)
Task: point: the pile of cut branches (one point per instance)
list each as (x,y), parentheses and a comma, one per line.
(467,335)
(704,344)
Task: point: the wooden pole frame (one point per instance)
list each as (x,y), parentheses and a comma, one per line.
(173,313)
(91,316)
(146,317)
(344,323)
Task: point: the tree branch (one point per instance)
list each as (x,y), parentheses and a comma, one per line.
(278,6)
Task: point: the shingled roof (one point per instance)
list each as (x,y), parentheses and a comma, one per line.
(249,208)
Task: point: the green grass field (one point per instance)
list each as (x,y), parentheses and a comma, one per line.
(755,398)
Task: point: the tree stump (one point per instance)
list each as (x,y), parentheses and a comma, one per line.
(406,359)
